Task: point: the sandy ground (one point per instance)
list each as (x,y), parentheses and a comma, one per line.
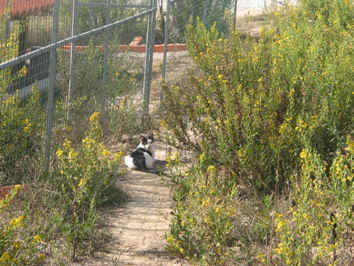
(138,228)
(141,224)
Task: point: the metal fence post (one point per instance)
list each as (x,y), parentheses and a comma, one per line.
(105,48)
(165,41)
(235,15)
(165,47)
(206,6)
(52,81)
(72,56)
(149,52)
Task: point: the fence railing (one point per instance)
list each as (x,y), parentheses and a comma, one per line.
(176,14)
(70,50)
(56,65)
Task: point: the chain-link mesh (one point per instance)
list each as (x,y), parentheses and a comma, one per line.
(25,26)
(224,15)
(82,56)
(83,61)
(209,12)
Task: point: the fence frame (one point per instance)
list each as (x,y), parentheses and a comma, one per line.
(150,11)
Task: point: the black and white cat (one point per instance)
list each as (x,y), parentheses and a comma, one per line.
(142,158)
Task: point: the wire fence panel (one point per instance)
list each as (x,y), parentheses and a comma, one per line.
(25,26)
(175,16)
(82,56)
(66,60)
(223,15)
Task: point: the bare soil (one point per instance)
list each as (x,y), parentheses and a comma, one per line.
(138,227)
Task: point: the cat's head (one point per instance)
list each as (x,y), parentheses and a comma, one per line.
(146,141)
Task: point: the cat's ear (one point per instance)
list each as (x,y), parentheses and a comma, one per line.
(143,139)
(150,138)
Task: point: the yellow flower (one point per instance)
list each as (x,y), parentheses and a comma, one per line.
(303,154)
(202,157)
(280,225)
(17,222)
(211,169)
(17,187)
(82,182)
(67,144)
(170,239)
(59,153)
(5,257)
(118,155)
(207,220)
(72,154)
(350,145)
(37,239)
(17,245)
(105,153)
(94,116)
(261,258)
(27,128)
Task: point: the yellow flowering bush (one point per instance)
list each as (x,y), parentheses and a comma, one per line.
(204,230)
(255,103)
(21,129)
(86,174)
(20,121)
(9,49)
(14,248)
(273,113)
(313,230)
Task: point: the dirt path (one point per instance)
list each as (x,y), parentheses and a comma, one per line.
(144,219)
(138,228)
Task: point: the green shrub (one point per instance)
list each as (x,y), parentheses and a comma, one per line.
(84,176)
(315,229)
(15,249)
(273,115)
(21,122)
(210,12)
(21,129)
(203,231)
(256,102)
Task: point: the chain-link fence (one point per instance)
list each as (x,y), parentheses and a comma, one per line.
(84,55)
(175,15)
(65,60)
(224,15)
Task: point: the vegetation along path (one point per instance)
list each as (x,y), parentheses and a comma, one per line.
(144,220)
(138,227)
